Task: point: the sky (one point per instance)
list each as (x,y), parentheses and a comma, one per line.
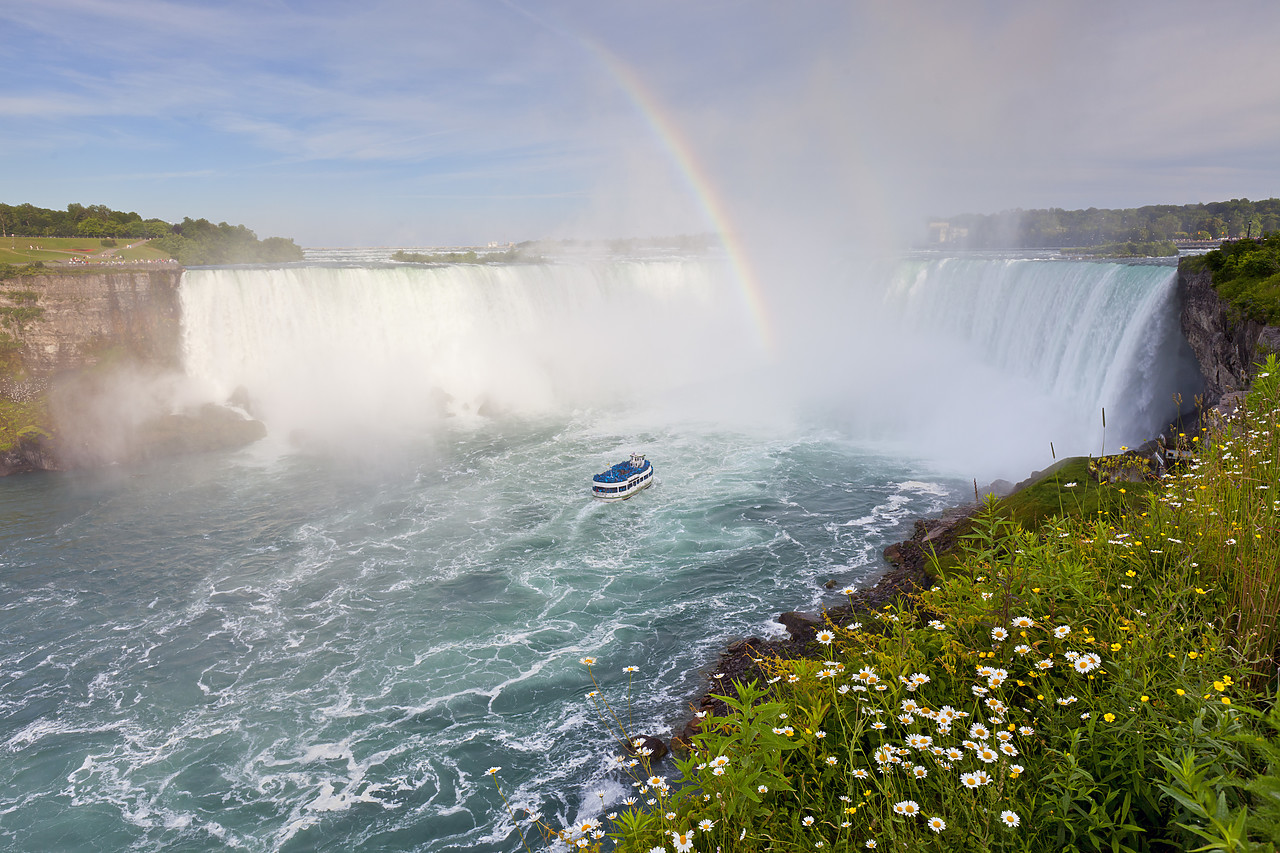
(461,122)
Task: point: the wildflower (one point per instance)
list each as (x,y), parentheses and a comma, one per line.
(683,841)
(631,669)
(808,820)
(972,780)
(492,770)
(719,761)
(1061,631)
(954,754)
(1026,731)
(1087,663)
(919,772)
(907,808)
(937,824)
(1109,717)
(1045,664)
(762,789)
(1067,700)
(819,734)
(999,634)
(706,824)
(587,661)
(870,844)
(987,754)
(1022,622)
(861,774)
(916,741)
(832,760)
(1010,819)
(936,625)
(1009,749)
(1022,649)
(848,590)
(658,849)
(825,637)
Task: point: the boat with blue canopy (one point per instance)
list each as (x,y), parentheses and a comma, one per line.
(623,480)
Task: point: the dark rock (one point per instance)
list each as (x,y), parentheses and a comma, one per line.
(1225,343)
(999,488)
(209,428)
(801,626)
(656,746)
(33,451)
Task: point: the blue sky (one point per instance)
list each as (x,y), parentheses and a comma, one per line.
(388,122)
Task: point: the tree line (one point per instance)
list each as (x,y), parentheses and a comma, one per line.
(192,242)
(1056,228)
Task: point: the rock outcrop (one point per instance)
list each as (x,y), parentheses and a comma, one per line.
(1225,343)
(99,354)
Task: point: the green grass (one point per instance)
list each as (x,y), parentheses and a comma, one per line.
(25,250)
(1103,682)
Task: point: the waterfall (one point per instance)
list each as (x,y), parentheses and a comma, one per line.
(978,361)
(379,346)
(1066,339)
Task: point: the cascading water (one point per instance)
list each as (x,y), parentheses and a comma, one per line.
(319,347)
(1035,350)
(280,651)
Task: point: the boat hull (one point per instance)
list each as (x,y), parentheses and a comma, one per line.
(628,492)
(623,480)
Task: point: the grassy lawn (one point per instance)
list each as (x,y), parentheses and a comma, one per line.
(25,250)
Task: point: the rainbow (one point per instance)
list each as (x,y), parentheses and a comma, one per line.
(668,135)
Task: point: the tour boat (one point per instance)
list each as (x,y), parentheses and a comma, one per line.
(623,480)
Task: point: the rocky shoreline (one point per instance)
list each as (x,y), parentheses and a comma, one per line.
(907,574)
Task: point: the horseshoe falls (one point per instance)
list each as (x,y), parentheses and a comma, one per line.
(324,641)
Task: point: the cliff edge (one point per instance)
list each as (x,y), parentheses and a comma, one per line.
(1226,343)
(90,372)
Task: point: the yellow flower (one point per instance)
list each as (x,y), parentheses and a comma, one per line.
(1146,698)
(1110,718)
(1181,692)
(1131,573)
(1200,591)
(1193,655)
(1219,686)
(1226,700)
(1115,647)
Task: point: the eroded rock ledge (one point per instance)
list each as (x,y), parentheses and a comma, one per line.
(1225,343)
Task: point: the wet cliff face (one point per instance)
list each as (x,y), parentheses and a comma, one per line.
(1226,344)
(64,322)
(91,373)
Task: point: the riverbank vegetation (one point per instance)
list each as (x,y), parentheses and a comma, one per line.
(513,255)
(1055,227)
(1246,273)
(33,233)
(1104,681)
(1128,249)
